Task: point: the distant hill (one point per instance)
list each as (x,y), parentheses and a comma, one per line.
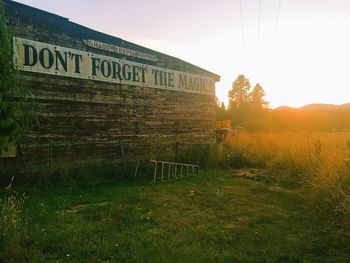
(282,108)
(315,117)
(322,107)
(316,107)
(346,106)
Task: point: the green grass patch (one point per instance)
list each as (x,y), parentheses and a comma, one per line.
(215,216)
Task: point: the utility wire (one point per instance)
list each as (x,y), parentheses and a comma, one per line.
(276,22)
(242,26)
(259,23)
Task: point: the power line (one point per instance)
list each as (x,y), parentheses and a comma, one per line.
(259,23)
(276,22)
(242,26)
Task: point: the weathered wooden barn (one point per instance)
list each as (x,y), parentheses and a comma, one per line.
(94,92)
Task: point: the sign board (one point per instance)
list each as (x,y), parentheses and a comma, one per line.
(34,56)
(119,50)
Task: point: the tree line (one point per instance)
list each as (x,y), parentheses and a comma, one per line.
(248,109)
(247,105)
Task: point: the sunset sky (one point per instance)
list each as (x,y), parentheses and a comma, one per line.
(306,62)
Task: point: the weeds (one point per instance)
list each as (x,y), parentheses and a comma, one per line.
(14,228)
(137,221)
(320,161)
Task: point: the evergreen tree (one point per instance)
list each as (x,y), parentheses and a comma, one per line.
(239,94)
(239,99)
(256,98)
(220,110)
(247,107)
(223,110)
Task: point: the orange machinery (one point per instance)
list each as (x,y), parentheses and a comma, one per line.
(224,124)
(224,131)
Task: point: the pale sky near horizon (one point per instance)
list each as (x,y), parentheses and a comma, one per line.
(307,62)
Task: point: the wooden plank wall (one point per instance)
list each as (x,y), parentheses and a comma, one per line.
(84,119)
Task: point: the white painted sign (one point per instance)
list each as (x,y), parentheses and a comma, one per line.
(45,58)
(119,50)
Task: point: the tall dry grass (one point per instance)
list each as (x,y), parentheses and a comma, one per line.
(321,161)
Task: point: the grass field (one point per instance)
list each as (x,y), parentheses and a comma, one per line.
(319,161)
(216,216)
